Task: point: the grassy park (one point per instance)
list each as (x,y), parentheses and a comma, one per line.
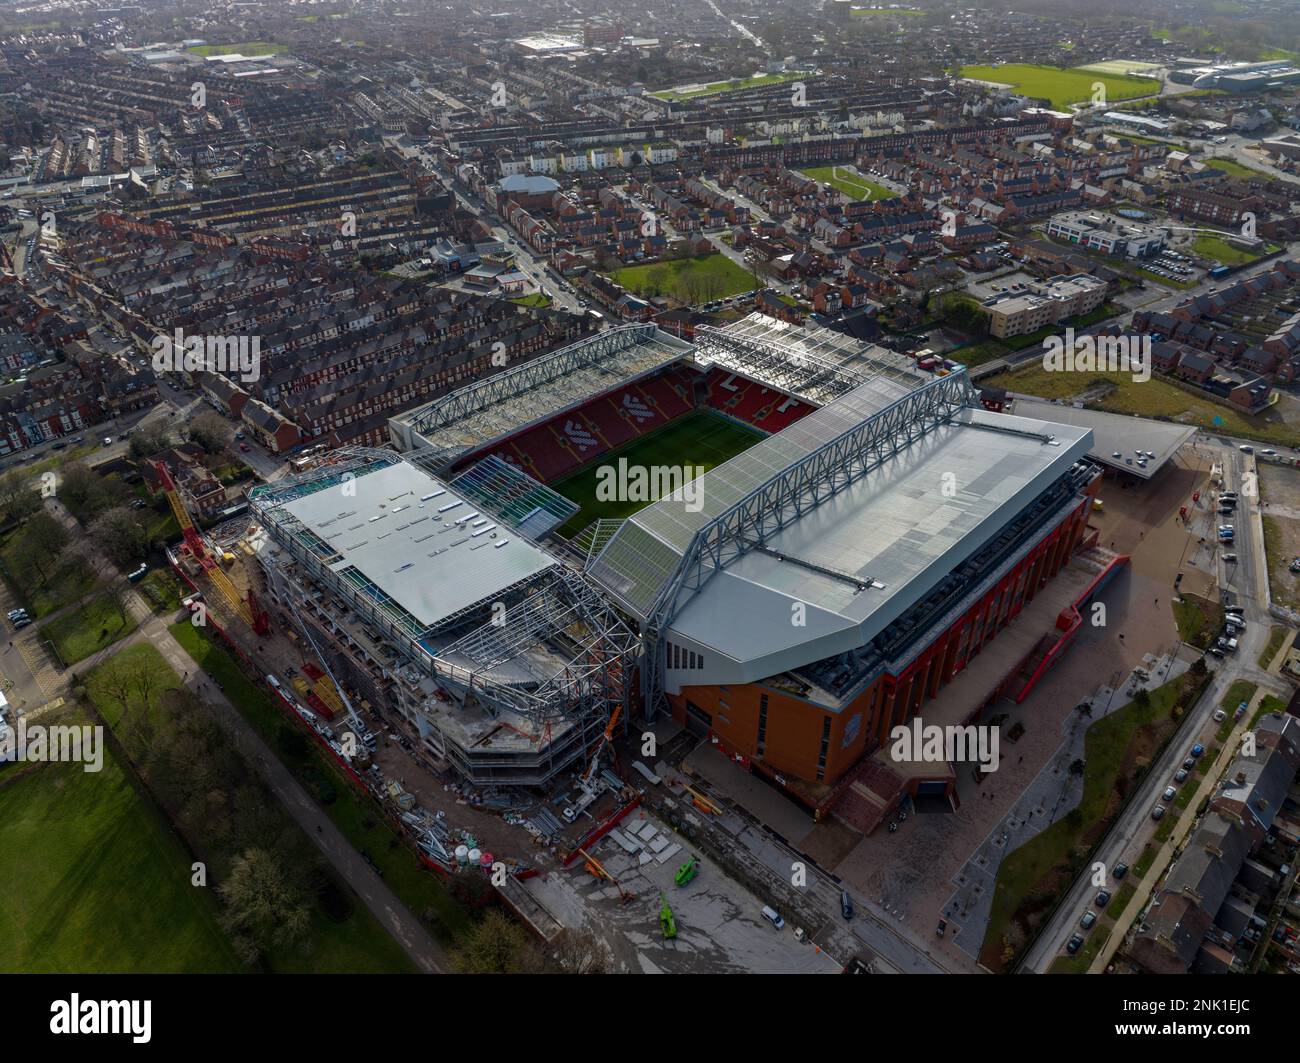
(1060,86)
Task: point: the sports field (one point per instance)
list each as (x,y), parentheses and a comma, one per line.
(1062,87)
(697,442)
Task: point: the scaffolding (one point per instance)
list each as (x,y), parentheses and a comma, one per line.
(547,647)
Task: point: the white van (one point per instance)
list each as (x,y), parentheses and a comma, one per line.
(773,917)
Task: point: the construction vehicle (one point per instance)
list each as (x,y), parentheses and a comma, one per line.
(687,871)
(595,867)
(248,609)
(666,921)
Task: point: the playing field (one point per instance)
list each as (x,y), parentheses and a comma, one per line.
(1062,87)
(695,443)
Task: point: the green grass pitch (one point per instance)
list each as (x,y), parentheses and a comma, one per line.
(703,438)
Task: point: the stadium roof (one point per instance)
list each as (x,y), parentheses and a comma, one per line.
(426,549)
(509,402)
(1113,432)
(855,562)
(808,361)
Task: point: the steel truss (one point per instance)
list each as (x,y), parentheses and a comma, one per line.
(785,366)
(463,402)
(787,496)
(592,649)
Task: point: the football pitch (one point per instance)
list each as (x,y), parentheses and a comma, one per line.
(696,442)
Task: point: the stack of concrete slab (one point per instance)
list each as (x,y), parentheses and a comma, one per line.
(647,842)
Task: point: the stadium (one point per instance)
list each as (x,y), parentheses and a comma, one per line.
(847,533)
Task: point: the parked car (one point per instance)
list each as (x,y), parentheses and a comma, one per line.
(1170,793)
(846,904)
(1088,920)
(1197,749)
(1158,811)
(943,925)
(1103,898)
(1180,775)
(1246,448)
(1121,869)
(1074,944)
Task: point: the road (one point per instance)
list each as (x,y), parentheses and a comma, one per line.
(1134,827)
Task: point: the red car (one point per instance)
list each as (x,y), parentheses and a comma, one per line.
(243,447)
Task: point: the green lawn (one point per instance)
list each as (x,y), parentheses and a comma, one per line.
(1062,87)
(536,299)
(1030,878)
(698,441)
(733,85)
(1154,398)
(847,180)
(356,943)
(102,886)
(1235,169)
(247,48)
(1197,620)
(700,279)
(86,630)
(1216,247)
(1276,636)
